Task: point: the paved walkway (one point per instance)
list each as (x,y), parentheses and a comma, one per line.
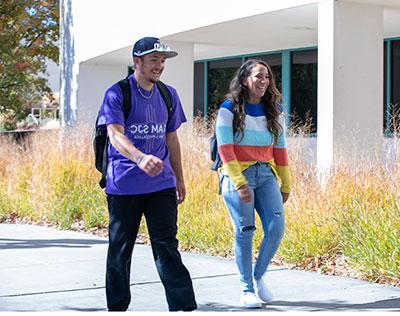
(45,269)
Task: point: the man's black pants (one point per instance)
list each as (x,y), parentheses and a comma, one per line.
(160,211)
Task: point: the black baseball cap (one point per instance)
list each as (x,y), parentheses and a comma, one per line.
(148,45)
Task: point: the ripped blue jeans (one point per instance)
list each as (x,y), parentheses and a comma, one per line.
(267,201)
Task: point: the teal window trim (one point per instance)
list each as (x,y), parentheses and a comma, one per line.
(205,112)
(388,85)
(286,81)
(392,39)
(256,54)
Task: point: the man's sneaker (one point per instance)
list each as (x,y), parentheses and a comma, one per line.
(262,291)
(250,300)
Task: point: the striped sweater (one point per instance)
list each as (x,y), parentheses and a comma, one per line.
(256,145)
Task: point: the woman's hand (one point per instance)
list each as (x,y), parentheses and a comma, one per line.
(244,193)
(285,197)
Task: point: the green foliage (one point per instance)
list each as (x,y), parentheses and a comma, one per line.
(204,223)
(370,239)
(5,203)
(306,239)
(75,196)
(28,36)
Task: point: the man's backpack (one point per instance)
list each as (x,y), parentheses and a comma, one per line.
(101,141)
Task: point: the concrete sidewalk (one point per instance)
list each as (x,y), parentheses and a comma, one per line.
(45,269)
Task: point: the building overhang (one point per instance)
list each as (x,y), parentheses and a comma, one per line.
(287,28)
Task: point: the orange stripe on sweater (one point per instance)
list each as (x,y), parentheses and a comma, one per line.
(231,152)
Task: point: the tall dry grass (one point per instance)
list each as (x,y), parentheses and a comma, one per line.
(352,221)
(44,179)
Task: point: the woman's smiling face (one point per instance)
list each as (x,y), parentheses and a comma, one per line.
(257,83)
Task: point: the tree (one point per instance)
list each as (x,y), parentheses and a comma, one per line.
(29,31)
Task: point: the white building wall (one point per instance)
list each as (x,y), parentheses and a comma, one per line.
(93,81)
(326,32)
(179,74)
(350,81)
(53,75)
(358,67)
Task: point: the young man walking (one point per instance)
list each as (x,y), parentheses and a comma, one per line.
(144,177)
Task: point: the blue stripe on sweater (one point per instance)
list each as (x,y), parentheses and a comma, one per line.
(250,138)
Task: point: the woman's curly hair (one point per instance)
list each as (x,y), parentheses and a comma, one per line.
(239,95)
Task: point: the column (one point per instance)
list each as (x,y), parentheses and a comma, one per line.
(350,82)
(68,66)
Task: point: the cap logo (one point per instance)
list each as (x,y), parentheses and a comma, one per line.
(161,47)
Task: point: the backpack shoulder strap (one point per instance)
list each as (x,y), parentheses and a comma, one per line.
(280,107)
(126,96)
(166,95)
(126,105)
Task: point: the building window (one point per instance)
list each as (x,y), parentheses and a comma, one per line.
(275,62)
(395,87)
(220,74)
(304,87)
(391,108)
(385,100)
(198,108)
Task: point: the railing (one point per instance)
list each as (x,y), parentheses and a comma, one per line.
(42,114)
(20,135)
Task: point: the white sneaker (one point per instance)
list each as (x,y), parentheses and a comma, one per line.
(250,300)
(262,291)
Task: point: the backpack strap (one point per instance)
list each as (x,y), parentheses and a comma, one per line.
(166,95)
(126,105)
(102,182)
(280,107)
(126,96)
(127,100)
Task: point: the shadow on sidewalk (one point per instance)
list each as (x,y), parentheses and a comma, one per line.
(336,305)
(6,243)
(76,309)
(218,307)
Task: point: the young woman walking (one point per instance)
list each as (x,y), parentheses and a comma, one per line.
(251,142)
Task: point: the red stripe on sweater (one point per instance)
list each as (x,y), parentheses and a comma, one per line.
(242,153)
(281,156)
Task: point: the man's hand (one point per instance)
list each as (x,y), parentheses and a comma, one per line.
(244,193)
(180,191)
(174,149)
(150,164)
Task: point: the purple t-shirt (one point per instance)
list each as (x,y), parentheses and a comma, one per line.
(146,127)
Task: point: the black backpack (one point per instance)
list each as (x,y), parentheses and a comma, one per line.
(214,155)
(101,141)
